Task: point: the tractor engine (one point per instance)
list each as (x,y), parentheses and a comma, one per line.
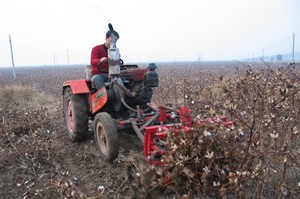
(140,81)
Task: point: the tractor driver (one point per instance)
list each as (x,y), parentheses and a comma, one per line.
(99,61)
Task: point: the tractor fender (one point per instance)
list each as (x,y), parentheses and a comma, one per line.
(77,86)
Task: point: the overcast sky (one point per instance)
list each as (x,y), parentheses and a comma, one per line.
(64,31)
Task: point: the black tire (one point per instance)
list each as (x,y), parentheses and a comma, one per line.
(76,110)
(106,136)
(117,104)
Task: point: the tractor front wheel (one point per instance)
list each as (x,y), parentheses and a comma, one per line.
(76,115)
(106,136)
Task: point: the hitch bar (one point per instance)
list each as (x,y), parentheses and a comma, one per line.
(139,131)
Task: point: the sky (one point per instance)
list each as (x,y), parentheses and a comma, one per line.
(58,32)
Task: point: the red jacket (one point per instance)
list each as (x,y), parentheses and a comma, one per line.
(97,53)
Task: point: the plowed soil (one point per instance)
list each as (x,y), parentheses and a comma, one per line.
(37,158)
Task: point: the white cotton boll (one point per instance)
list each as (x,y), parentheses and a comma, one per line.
(207,133)
(100,188)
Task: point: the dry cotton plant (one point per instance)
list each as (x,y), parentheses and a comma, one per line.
(256,158)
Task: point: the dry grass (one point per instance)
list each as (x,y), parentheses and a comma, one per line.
(26,95)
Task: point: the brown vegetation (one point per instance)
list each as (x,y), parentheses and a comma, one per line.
(258,158)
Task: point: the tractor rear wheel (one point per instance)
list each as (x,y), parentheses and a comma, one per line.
(106,136)
(76,115)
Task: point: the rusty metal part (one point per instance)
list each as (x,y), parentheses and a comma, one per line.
(136,129)
(123,88)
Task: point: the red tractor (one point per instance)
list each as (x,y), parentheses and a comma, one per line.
(121,103)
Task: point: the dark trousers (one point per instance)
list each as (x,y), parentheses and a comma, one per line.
(98,80)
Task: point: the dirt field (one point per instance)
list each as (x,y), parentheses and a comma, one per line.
(37,159)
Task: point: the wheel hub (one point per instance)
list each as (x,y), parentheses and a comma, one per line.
(70,118)
(101,138)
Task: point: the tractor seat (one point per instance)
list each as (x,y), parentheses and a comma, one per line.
(88,72)
(88,78)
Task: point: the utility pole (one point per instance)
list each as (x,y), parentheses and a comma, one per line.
(12,57)
(293,61)
(68,57)
(54,59)
(262,54)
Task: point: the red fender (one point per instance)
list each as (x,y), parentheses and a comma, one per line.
(98,100)
(77,86)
